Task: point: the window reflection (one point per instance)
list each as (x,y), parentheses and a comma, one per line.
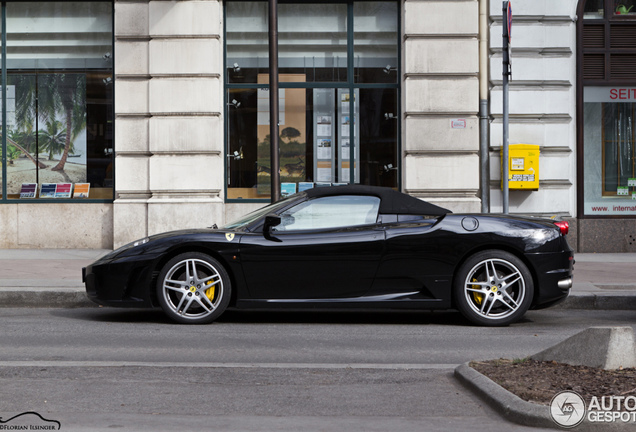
(315,135)
(246,37)
(346,132)
(375,50)
(593,9)
(312,41)
(59,100)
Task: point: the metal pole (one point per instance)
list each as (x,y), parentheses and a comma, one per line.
(484,157)
(273,100)
(504,155)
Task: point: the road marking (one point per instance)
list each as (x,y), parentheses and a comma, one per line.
(61,363)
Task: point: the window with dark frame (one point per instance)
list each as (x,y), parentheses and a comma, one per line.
(58,101)
(338,98)
(607,56)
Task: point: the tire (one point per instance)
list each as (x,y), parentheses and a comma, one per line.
(493,288)
(193,288)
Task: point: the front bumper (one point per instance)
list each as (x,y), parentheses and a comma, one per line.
(120,282)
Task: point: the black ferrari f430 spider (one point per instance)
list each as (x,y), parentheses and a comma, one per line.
(351,247)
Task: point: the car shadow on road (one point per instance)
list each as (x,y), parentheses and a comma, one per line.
(156,316)
(344,317)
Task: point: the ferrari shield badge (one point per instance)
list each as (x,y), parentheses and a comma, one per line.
(229,236)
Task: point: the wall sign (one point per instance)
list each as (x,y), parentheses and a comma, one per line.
(609,94)
(458,124)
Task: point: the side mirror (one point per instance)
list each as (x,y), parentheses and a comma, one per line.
(271,220)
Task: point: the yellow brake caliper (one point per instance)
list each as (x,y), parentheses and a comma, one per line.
(210,292)
(477,296)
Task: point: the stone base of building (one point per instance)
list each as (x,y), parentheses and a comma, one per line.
(56,226)
(602,235)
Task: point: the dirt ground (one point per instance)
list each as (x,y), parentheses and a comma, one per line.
(538,382)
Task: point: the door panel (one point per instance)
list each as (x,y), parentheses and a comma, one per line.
(419,258)
(332,263)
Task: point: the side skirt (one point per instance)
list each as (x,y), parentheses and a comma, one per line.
(332,304)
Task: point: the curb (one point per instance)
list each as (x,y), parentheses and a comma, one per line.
(33,297)
(516,410)
(599,302)
(508,405)
(71,295)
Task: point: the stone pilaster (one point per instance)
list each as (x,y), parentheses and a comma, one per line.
(169,85)
(441,84)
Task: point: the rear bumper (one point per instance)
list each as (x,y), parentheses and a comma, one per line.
(553,278)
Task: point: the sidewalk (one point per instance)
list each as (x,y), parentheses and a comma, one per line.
(603,281)
(44,277)
(53,278)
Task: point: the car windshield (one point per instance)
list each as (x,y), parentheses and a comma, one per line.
(253,216)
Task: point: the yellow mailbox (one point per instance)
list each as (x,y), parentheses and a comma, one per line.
(523,166)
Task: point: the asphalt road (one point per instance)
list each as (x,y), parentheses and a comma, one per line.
(104,369)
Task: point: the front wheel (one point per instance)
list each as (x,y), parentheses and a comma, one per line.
(493,288)
(193,288)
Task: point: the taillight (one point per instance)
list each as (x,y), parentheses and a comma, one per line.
(563,226)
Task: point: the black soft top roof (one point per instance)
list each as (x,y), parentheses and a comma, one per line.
(392,201)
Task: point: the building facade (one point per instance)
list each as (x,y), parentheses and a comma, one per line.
(165,107)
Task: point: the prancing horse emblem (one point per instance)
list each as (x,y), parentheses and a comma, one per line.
(229,236)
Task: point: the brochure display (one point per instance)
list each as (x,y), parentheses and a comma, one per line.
(287,189)
(81,190)
(348,127)
(64,190)
(28,190)
(325,136)
(47,190)
(56,190)
(303,186)
(334,129)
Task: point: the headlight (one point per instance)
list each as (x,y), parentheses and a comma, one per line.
(141,242)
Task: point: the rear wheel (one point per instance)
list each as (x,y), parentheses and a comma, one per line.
(493,288)
(193,288)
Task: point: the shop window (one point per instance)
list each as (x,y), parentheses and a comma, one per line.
(610,150)
(58,101)
(607,111)
(338,96)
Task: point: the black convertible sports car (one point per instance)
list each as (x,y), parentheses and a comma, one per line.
(344,247)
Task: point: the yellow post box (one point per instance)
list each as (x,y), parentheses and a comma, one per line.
(523,166)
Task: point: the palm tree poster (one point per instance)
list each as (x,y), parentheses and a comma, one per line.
(46,138)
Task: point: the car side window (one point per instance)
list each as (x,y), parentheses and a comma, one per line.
(330,212)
